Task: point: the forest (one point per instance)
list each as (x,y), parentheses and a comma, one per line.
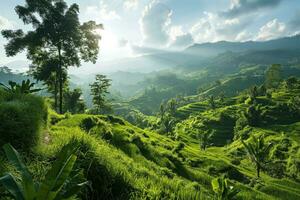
(217,120)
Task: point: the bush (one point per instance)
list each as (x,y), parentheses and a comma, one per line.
(21,119)
(88,123)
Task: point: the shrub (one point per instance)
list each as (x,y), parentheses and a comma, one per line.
(88,123)
(21,119)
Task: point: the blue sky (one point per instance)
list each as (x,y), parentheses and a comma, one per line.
(173,24)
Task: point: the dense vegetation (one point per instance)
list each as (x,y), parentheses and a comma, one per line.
(223,128)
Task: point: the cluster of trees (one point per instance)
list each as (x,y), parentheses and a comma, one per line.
(56,42)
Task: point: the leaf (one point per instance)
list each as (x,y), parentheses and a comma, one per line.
(27,182)
(9,182)
(58,174)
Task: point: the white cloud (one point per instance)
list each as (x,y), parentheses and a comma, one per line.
(102,12)
(179,39)
(5,23)
(271,30)
(213,28)
(155,24)
(131,4)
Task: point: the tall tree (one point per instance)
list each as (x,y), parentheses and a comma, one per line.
(55,30)
(258,151)
(99,90)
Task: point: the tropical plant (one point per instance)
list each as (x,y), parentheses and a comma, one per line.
(223,190)
(26,87)
(56,31)
(258,152)
(205,139)
(59,183)
(168,123)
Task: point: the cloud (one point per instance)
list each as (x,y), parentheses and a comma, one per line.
(294,23)
(102,12)
(123,43)
(179,39)
(155,24)
(272,30)
(242,7)
(213,28)
(131,4)
(5,23)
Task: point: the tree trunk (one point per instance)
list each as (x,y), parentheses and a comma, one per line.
(55,91)
(60,82)
(257,170)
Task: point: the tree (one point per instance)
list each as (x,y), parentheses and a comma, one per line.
(162,111)
(223,190)
(253,92)
(291,82)
(73,101)
(258,151)
(253,115)
(222,97)
(172,106)
(273,76)
(56,31)
(168,123)
(205,139)
(211,102)
(99,90)
(45,69)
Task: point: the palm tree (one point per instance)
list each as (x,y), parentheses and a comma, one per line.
(258,151)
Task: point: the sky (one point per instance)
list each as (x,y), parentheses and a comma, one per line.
(136,27)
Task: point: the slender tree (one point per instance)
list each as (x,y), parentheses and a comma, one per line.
(55,30)
(258,151)
(99,90)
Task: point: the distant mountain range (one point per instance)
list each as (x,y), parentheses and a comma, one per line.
(213,49)
(223,53)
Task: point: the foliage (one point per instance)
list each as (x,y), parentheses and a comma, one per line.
(73,101)
(212,102)
(205,139)
(258,151)
(59,182)
(273,76)
(99,90)
(22,118)
(56,32)
(26,87)
(223,190)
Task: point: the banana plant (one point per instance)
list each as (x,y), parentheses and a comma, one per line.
(258,152)
(223,190)
(61,182)
(24,88)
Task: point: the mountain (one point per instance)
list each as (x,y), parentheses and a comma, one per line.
(213,49)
